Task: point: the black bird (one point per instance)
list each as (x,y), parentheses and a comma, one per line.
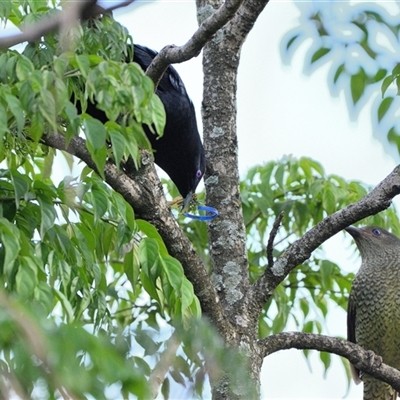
(179,152)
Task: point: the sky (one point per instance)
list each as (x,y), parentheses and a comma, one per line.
(281,111)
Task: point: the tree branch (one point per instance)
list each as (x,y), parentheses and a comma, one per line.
(167,357)
(144,192)
(362,359)
(34,338)
(227,234)
(78,9)
(272,235)
(173,54)
(377,200)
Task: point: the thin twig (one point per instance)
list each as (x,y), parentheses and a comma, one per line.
(272,235)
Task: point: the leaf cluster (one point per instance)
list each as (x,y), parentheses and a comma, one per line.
(302,189)
(73,252)
(346,36)
(42,84)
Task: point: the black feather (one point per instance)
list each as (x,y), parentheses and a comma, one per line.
(179,152)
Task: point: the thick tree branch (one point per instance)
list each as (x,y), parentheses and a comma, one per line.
(377,200)
(362,359)
(144,192)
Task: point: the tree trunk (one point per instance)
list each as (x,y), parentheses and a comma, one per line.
(227,234)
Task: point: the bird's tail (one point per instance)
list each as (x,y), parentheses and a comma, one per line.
(377,390)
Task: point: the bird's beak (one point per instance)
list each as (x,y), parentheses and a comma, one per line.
(186,202)
(355,232)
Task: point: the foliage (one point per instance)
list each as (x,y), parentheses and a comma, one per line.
(302,189)
(40,85)
(72,253)
(88,293)
(360,42)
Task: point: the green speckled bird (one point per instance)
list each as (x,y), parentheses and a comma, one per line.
(373,314)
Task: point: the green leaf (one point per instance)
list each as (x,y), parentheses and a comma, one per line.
(263,328)
(279,174)
(329,200)
(326,360)
(60,95)
(9,237)
(96,142)
(48,214)
(158,114)
(47,107)
(165,389)
(127,214)
(326,271)
(60,65)
(177,376)
(3,124)
(323,51)
(100,204)
(317,166)
(187,295)
(73,121)
(144,340)
(398,85)
(24,68)
(26,278)
(95,133)
(291,41)
(357,85)
(131,267)
(21,187)
(394,137)
(118,144)
(308,327)
(384,107)
(37,126)
(10,67)
(66,305)
(16,109)
(338,72)
(151,232)
(83,64)
(379,75)
(174,272)
(386,83)
(304,306)
(5,9)
(149,257)
(48,164)
(8,209)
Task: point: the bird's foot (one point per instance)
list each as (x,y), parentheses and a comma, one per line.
(374,361)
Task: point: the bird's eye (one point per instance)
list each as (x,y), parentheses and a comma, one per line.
(198,174)
(376,232)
